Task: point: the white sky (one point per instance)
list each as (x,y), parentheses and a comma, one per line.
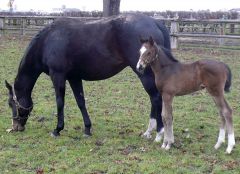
(126,5)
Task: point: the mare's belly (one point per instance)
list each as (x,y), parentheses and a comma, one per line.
(96,70)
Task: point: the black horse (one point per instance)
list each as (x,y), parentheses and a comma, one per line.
(75,50)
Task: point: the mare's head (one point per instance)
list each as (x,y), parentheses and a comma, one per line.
(20,113)
(148,53)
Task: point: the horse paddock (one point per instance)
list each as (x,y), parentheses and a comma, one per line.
(119,108)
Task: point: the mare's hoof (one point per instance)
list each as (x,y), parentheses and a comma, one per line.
(86,135)
(9,130)
(87,132)
(147,135)
(55,134)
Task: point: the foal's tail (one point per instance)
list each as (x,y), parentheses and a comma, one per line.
(229,79)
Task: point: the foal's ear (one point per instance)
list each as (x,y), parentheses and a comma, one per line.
(142,40)
(151,41)
(9,87)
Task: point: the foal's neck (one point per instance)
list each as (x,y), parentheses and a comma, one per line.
(163,63)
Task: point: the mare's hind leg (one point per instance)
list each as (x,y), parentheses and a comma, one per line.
(77,88)
(59,82)
(155,120)
(226,113)
(168,122)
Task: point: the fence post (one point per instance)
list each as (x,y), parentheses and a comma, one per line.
(23,26)
(173,31)
(232,28)
(1,26)
(222,32)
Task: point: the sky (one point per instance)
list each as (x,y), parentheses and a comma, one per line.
(126,5)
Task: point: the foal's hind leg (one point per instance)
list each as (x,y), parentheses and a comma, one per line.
(77,88)
(226,113)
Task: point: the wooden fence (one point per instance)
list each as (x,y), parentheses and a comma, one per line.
(220,30)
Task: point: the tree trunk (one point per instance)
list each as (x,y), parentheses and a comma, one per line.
(111,7)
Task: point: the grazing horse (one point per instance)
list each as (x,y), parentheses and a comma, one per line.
(173,78)
(73,50)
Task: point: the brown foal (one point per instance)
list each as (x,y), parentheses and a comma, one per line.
(173,78)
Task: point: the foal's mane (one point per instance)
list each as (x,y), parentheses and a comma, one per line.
(167,52)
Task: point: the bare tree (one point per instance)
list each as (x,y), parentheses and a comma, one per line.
(10,4)
(111,7)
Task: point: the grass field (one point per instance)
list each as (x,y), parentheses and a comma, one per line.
(119,109)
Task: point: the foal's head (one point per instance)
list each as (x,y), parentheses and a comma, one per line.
(148,54)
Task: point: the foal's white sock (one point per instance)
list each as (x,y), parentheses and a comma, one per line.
(231,143)
(221,138)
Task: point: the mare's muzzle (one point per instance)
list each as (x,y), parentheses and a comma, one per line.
(17,126)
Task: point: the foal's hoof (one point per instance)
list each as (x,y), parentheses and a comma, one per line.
(166,146)
(55,134)
(218,144)
(229,149)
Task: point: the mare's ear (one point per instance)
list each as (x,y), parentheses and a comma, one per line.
(9,87)
(151,41)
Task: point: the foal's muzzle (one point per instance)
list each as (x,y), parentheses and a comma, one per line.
(140,69)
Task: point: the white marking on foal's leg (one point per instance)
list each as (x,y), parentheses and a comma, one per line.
(152,125)
(159,135)
(221,138)
(165,140)
(164,144)
(231,143)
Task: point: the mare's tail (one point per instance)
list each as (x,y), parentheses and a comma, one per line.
(229,79)
(165,32)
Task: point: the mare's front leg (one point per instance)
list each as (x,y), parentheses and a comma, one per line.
(167,121)
(155,121)
(77,88)
(59,83)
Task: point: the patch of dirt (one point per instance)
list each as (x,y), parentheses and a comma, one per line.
(230,165)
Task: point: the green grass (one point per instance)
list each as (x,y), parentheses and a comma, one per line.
(119,109)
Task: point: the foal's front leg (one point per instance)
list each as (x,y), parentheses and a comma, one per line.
(167,121)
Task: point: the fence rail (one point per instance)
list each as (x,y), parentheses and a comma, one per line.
(207,29)
(179,28)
